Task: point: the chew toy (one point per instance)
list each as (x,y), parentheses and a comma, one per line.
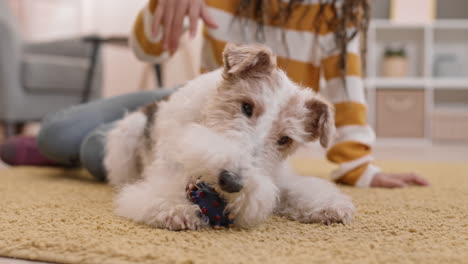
(211,204)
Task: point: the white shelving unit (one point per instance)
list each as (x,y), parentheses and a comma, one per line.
(421,106)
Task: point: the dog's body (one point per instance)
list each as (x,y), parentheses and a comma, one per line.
(232,128)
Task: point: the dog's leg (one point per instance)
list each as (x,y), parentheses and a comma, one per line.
(181,157)
(121,159)
(159,201)
(312,200)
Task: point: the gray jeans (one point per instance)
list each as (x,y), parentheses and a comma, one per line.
(76,136)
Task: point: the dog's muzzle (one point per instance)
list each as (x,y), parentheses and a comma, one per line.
(230,182)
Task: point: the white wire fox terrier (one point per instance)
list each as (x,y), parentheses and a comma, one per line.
(232,128)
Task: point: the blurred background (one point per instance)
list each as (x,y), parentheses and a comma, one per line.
(69,51)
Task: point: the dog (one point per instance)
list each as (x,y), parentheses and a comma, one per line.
(232,128)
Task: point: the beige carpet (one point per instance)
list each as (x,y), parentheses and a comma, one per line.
(63,216)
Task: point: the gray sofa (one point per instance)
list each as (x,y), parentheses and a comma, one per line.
(40,78)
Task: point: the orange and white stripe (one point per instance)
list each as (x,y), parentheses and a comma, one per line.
(145,46)
(309,53)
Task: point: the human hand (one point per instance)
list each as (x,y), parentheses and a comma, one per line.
(170,14)
(397,180)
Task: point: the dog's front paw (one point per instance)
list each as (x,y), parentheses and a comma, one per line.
(341,211)
(182,217)
(336,214)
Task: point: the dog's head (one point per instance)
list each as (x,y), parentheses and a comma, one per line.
(268,117)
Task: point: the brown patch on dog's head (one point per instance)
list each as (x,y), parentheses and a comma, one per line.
(282,147)
(320,121)
(248,73)
(224,112)
(247,61)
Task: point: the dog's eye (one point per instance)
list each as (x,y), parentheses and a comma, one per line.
(285,140)
(247,109)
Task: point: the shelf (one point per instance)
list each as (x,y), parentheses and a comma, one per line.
(388,24)
(410,38)
(451,24)
(404,83)
(450,55)
(438,24)
(450,83)
(436,78)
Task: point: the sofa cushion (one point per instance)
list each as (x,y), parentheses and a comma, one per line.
(58,74)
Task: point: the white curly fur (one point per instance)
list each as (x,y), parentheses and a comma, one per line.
(201,130)
(123,139)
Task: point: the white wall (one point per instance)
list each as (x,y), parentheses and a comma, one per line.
(109,17)
(48,19)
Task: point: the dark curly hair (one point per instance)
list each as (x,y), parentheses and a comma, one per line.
(336,15)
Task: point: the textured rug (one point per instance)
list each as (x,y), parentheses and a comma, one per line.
(64,216)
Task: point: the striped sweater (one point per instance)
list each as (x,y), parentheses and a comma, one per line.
(309,53)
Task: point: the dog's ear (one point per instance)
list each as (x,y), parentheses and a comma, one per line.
(320,121)
(247,60)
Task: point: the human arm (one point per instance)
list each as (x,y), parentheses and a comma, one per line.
(352,150)
(159,25)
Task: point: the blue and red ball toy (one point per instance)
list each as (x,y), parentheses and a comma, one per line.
(211,204)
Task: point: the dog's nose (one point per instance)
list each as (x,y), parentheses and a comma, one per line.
(230,182)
